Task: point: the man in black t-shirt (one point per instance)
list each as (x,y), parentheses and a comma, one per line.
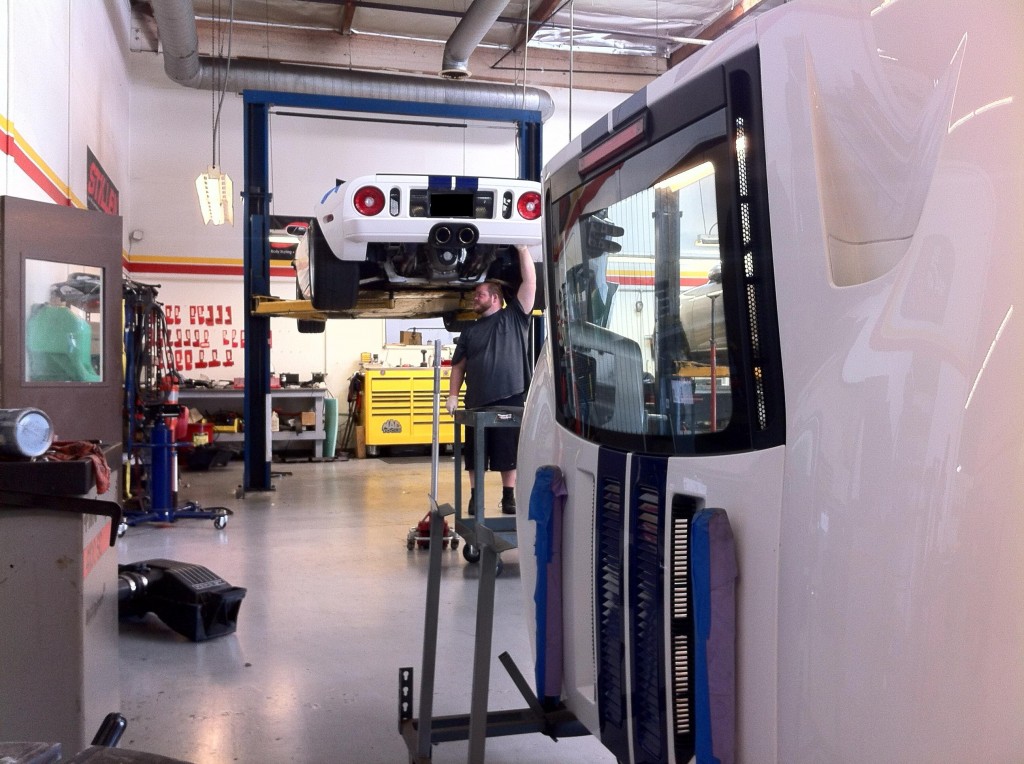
(491,355)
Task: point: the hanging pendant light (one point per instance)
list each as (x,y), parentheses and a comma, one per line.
(216,198)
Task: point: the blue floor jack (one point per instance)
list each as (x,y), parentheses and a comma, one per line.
(158,504)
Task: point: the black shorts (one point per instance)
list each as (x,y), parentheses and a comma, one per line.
(501,443)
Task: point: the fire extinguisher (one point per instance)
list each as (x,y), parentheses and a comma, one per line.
(169,393)
(169,389)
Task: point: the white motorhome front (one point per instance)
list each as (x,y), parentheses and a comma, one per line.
(860,420)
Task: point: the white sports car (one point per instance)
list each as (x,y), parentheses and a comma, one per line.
(416,232)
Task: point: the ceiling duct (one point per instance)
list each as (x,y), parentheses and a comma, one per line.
(479,18)
(180,41)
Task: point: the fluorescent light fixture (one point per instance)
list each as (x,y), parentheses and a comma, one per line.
(979,111)
(687,177)
(884,6)
(215,196)
(988,355)
(690,40)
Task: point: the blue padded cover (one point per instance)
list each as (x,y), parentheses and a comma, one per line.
(714,573)
(546,504)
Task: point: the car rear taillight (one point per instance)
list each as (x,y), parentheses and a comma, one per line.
(529,205)
(369,200)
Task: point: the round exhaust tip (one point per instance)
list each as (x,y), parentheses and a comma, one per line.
(442,234)
(467,236)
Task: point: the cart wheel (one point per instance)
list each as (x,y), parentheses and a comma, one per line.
(471,553)
(455,544)
(498,567)
(122,528)
(410,545)
(220,521)
(239,493)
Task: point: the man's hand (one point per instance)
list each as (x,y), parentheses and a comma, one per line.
(451,404)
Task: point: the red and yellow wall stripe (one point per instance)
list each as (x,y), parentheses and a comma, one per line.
(13,144)
(28,160)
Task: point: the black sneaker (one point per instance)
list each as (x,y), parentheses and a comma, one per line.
(508,506)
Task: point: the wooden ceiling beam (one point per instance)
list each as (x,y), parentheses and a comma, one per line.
(346,17)
(712,30)
(538,16)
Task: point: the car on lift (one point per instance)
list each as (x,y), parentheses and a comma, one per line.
(388,233)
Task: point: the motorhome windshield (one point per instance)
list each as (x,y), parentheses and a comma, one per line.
(652,326)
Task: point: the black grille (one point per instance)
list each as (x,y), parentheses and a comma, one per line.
(610,530)
(648,626)
(682,627)
(611,646)
(661,625)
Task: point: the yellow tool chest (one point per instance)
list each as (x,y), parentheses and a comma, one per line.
(398,406)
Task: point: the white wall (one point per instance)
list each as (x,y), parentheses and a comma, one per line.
(63,88)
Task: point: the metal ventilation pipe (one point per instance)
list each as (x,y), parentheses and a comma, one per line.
(176,24)
(479,17)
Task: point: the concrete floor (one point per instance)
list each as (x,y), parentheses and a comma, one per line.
(335,606)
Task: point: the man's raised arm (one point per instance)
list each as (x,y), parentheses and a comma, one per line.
(528,288)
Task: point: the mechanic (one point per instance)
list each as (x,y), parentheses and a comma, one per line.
(492,356)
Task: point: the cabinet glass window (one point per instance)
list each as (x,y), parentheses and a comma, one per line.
(63,322)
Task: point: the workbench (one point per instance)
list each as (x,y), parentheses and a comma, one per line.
(58,596)
(296,400)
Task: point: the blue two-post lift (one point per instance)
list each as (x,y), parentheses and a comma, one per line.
(256,254)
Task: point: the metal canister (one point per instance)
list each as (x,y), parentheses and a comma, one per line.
(25,432)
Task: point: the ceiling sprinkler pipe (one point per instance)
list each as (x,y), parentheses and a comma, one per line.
(183,64)
(479,17)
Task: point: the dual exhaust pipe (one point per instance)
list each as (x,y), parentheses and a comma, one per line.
(445,235)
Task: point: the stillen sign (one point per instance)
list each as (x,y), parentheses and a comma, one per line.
(102,194)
